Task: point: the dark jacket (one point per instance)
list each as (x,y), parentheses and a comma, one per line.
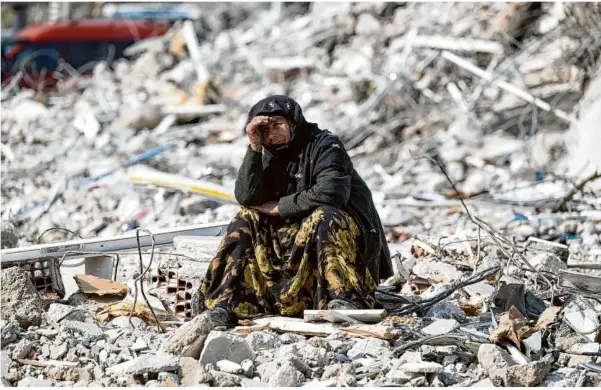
(312,170)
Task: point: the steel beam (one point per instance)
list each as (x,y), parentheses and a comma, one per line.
(90,247)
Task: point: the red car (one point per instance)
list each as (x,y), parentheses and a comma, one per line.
(35,51)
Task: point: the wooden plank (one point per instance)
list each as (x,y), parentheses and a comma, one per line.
(299,326)
(352,316)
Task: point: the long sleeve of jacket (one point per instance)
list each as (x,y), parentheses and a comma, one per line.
(249,190)
(332,184)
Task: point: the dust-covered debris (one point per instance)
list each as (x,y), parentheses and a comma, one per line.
(435,108)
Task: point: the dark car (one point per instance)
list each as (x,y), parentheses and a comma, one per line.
(36,51)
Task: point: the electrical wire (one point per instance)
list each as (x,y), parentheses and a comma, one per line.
(140,278)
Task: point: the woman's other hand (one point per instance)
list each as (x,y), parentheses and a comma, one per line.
(254,131)
(269,208)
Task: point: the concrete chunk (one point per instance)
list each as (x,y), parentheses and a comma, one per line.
(564,377)
(188,340)
(229,367)
(58,312)
(88,330)
(190,372)
(20,300)
(439,327)
(422,368)
(286,376)
(225,346)
(370,347)
(526,375)
(145,364)
(261,341)
(583,321)
(22,349)
(494,361)
(447,310)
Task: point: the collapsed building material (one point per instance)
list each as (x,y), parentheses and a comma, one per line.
(94,246)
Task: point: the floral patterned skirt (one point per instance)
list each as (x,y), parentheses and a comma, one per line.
(266,265)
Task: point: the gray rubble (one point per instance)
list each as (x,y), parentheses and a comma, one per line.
(505,103)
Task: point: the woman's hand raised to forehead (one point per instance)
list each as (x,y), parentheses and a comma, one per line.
(253,131)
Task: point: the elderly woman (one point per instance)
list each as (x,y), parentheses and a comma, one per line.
(308,236)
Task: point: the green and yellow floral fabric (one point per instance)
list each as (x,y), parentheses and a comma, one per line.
(266,265)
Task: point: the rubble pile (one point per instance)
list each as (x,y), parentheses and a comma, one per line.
(465,120)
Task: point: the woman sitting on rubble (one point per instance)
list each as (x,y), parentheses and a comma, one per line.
(308,236)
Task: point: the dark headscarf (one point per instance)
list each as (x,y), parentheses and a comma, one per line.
(280,105)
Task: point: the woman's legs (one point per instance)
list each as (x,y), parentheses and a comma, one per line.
(330,267)
(265,265)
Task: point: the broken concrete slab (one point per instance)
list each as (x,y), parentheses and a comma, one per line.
(526,375)
(10,332)
(422,368)
(286,376)
(495,362)
(447,310)
(440,327)
(88,330)
(436,271)
(22,349)
(261,341)
(189,339)
(190,372)
(223,345)
(370,347)
(20,300)
(58,312)
(145,364)
(548,262)
(585,322)
(124,322)
(563,377)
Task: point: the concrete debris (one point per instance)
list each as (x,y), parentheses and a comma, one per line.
(34,382)
(501,290)
(22,349)
(20,300)
(422,368)
(286,376)
(145,364)
(447,310)
(91,331)
(58,312)
(260,341)
(224,346)
(124,322)
(440,327)
(229,367)
(370,347)
(10,332)
(563,377)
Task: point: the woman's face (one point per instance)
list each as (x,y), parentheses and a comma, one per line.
(276,132)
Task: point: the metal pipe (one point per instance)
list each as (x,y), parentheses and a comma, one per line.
(102,244)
